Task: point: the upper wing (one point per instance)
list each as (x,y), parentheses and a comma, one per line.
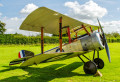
(51,57)
(49,19)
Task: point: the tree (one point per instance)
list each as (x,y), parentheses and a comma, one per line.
(115,34)
(2,27)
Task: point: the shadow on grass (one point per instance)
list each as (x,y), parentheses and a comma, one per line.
(45,74)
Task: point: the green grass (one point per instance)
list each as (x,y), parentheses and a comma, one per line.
(70,70)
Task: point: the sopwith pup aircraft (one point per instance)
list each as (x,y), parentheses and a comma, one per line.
(82,38)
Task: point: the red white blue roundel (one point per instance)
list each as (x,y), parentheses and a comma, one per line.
(21,54)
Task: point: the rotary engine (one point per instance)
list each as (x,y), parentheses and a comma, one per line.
(92,42)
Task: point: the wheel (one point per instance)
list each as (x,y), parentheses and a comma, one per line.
(58,50)
(99,62)
(90,67)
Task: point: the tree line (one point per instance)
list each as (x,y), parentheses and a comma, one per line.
(21,39)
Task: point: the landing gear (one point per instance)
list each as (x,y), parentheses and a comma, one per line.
(99,62)
(90,67)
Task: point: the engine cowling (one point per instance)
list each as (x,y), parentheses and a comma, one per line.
(93,42)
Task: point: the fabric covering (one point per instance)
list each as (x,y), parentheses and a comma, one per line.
(49,19)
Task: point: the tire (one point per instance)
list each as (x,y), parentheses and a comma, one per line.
(99,62)
(58,50)
(90,67)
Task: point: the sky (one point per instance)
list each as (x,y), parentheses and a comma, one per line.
(13,12)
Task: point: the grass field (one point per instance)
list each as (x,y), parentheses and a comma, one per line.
(70,70)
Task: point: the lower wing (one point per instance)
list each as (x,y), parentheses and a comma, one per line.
(51,57)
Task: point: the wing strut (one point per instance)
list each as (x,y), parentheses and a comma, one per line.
(60,33)
(85,29)
(91,29)
(76,34)
(68,31)
(42,41)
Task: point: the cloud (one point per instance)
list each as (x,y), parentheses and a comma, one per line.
(28,8)
(111,26)
(89,10)
(0,14)
(13,24)
(118,9)
(1,5)
(10,31)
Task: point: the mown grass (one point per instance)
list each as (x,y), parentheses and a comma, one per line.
(70,70)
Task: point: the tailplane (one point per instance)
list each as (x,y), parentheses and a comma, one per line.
(23,55)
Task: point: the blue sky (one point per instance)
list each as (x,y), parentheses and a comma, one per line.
(84,10)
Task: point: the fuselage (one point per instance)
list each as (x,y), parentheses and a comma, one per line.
(86,43)
(78,47)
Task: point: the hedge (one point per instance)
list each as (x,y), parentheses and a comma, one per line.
(16,39)
(20,39)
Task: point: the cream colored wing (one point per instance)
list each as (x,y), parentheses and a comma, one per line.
(51,57)
(49,19)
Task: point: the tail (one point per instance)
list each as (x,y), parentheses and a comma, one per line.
(23,55)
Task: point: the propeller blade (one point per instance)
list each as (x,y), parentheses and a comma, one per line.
(107,50)
(105,42)
(100,26)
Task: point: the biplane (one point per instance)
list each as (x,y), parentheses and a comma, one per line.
(82,38)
